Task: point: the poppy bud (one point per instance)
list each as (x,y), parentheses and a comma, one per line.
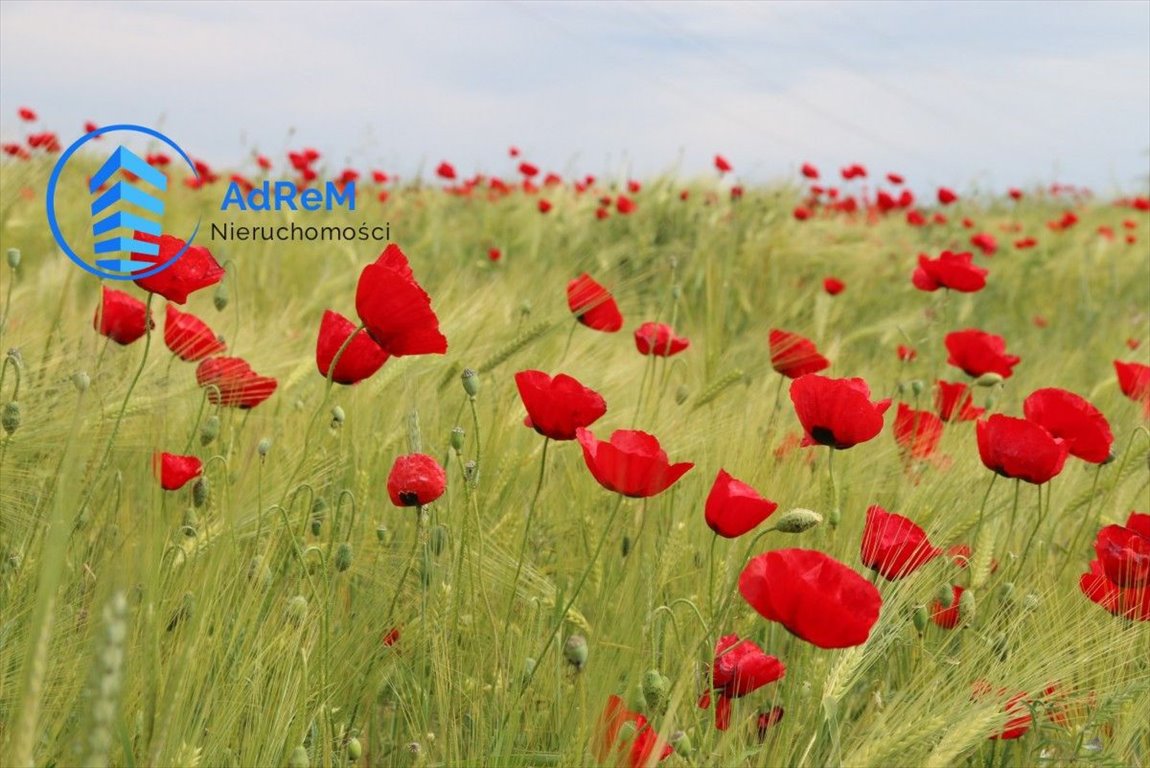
(210,429)
(264,446)
(381,533)
(989,379)
(966,605)
(625,545)
(337,416)
(681,394)
(920,618)
(471,473)
(656,690)
(81,381)
(354,749)
(316,525)
(798,520)
(916,387)
(299,758)
(13,257)
(343,556)
(1006,592)
(945,595)
(457,435)
(296,610)
(220,297)
(835,516)
(575,651)
(200,492)
(681,742)
(470,382)
(10,419)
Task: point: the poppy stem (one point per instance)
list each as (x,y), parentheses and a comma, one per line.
(775,407)
(711,585)
(570,336)
(982,507)
(1013,511)
(1034,532)
(526,536)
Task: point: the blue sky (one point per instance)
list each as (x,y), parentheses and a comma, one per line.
(969,94)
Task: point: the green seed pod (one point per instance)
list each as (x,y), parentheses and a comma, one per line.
(299,758)
(656,691)
(343,556)
(798,520)
(835,516)
(988,379)
(438,540)
(337,416)
(1006,593)
(220,297)
(10,418)
(966,606)
(354,749)
(470,382)
(471,473)
(625,545)
(916,387)
(200,492)
(210,429)
(81,381)
(381,533)
(457,435)
(296,610)
(945,595)
(681,743)
(13,257)
(316,526)
(575,651)
(920,617)
(264,446)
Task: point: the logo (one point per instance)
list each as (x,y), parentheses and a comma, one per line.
(123,198)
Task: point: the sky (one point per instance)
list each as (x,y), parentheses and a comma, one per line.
(973,95)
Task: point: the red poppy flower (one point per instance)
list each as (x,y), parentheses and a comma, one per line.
(833,286)
(494,254)
(1019,716)
(26,114)
(917,432)
(1134,381)
(189,337)
(721,164)
(175,471)
(659,339)
(740,668)
(120,316)
(528,169)
(625,205)
(1128,602)
(801,213)
(809,171)
(793,355)
(894,545)
(593,305)
(947,616)
(544,205)
(1070,417)
(954,271)
(232,382)
(195,269)
(817,598)
(445,170)
(954,402)
(946,196)
(977,352)
(895,178)
(767,720)
(985,242)
(906,354)
(395,309)
(415,480)
(631,462)
(391,637)
(1019,448)
(557,407)
(601,213)
(1124,551)
(734,508)
(836,412)
(359,361)
(646,741)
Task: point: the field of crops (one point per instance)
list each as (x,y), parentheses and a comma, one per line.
(832,478)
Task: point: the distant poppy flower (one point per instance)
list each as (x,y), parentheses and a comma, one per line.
(556,407)
(917,432)
(359,361)
(915,219)
(809,171)
(601,213)
(721,164)
(959,554)
(985,242)
(1040,321)
(793,355)
(977,352)
(734,508)
(950,270)
(893,545)
(946,196)
(232,382)
(1014,193)
(120,316)
(1124,552)
(801,213)
(1133,343)
(895,179)
(906,354)
(391,637)
(175,471)
(1020,718)
(645,739)
(634,186)
(1127,602)
(945,616)
(1025,242)
(739,668)
(26,114)
(544,205)
(189,337)
(195,269)
(1066,415)
(395,309)
(659,339)
(631,462)
(817,598)
(766,720)
(938,218)
(445,170)
(415,480)
(625,205)
(593,305)
(1020,449)
(1134,381)
(955,402)
(833,286)
(90,126)
(836,412)
(528,169)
